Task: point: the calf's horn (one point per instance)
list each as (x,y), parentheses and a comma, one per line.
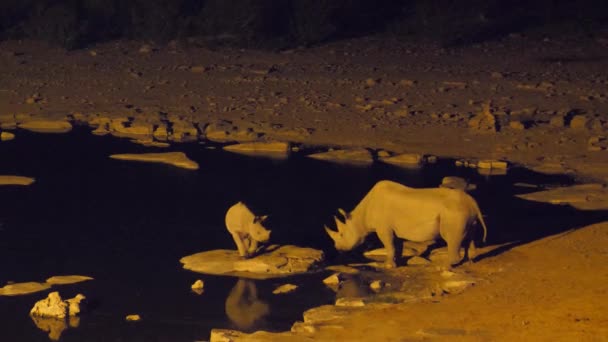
(333,235)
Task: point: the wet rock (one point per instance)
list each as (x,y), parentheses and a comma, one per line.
(150,143)
(355,156)
(456,286)
(405,160)
(65,280)
(285,289)
(333,280)
(15,180)
(161,133)
(51,325)
(178,159)
(584,196)
(269,149)
(276,261)
(46,126)
(6,136)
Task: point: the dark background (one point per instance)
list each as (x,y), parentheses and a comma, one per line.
(277,24)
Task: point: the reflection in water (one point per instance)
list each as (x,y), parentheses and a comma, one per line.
(55,326)
(243,307)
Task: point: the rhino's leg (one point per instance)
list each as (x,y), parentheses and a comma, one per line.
(253,246)
(387,239)
(238,240)
(452,231)
(471,252)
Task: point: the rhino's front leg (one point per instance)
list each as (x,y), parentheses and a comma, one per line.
(253,246)
(387,239)
(238,240)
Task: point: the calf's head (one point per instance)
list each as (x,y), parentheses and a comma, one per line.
(347,236)
(258,231)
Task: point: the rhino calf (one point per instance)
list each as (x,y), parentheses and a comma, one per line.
(390,209)
(246,229)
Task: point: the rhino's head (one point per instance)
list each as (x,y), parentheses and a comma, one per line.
(347,236)
(258,231)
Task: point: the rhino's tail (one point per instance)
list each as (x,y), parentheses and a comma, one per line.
(480,218)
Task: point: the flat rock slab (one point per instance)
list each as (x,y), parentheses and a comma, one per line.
(178,159)
(277,261)
(15,180)
(584,196)
(17,289)
(407,160)
(47,126)
(355,156)
(263,149)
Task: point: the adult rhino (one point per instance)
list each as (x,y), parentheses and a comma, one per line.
(413,214)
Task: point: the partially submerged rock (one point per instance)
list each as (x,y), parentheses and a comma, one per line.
(178,159)
(15,180)
(286,288)
(405,160)
(267,149)
(355,156)
(583,196)
(54,306)
(459,183)
(47,126)
(277,261)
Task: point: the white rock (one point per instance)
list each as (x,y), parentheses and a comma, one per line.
(74,304)
(492,164)
(270,149)
(377,285)
(286,288)
(67,279)
(6,136)
(199,284)
(23,288)
(405,160)
(355,156)
(350,302)
(333,279)
(46,126)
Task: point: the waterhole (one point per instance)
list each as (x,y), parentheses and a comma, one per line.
(127,224)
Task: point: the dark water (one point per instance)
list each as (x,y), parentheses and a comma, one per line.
(127,224)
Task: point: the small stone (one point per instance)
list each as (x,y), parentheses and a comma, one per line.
(579,122)
(407,83)
(370,82)
(492,164)
(285,289)
(557,121)
(497,75)
(350,302)
(199,69)
(133,318)
(518,125)
(198,286)
(377,285)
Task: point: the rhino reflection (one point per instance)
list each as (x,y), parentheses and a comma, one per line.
(55,326)
(243,307)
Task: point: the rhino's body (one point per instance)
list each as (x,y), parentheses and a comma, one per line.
(246,229)
(391,209)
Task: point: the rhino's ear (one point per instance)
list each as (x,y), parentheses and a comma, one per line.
(344,214)
(260,219)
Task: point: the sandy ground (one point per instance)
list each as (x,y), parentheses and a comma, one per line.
(383,94)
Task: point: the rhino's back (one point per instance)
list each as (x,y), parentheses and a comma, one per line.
(237,216)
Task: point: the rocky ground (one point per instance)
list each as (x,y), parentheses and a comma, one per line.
(533,99)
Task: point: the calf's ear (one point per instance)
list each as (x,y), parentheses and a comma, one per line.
(260,219)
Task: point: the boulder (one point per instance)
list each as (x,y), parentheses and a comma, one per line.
(276,261)
(354,156)
(46,126)
(15,180)
(459,183)
(51,306)
(178,159)
(137,129)
(286,288)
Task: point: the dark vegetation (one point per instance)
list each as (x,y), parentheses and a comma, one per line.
(287,23)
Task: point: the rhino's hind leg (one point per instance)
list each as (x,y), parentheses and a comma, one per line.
(470,252)
(240,245)
(453,234)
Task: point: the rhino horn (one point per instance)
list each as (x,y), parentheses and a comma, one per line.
(339,224)
(332,234)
